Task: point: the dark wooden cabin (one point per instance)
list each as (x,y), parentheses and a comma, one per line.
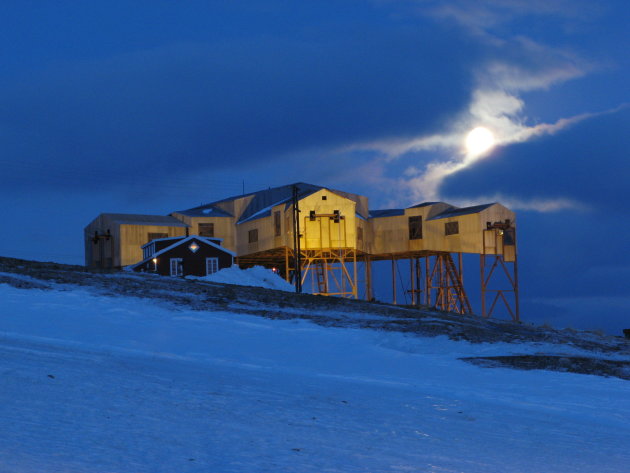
(182,256)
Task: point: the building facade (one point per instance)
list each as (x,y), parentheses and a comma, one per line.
(313,233)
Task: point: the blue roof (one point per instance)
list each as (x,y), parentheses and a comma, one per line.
(462,211)
(423,204)
(262,201)
(207,210)
(386,213)
(260,206)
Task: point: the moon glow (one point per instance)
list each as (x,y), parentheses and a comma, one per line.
(479,140)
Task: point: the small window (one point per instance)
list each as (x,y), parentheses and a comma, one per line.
(212,265)
(509,236)
(451,228)
(359,233)
(253,236)
(156,236)
(206,229)
(324,197)
(277,223)
(148,251)
(415,228)
(177,267)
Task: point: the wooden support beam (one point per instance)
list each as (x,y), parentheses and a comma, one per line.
(393,280)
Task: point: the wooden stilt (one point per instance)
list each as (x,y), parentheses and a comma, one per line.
(393,280)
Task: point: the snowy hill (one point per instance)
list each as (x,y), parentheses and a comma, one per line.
(128,373)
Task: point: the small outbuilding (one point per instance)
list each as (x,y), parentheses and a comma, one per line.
(182,256)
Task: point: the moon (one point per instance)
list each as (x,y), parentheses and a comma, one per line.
(479,140)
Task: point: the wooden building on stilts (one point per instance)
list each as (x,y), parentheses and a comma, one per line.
(322,239)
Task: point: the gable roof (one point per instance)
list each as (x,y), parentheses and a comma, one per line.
(213,239)
(200,239)
(455,212)
(262,201)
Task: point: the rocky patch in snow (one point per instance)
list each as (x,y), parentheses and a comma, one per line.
(565,363)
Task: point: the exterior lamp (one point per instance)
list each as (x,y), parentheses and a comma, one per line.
(193,247)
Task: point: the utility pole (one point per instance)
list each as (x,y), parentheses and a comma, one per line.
(297,257)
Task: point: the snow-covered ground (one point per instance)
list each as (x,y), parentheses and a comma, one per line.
(92,383)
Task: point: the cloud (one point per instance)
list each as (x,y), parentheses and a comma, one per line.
(191,107)
(514,66)
(498,109)
(537,204)
(587,163)
(483,16)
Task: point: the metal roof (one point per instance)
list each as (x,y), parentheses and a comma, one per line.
(462,211)
(386,213)
(208,210)
(423,204)
(262,201)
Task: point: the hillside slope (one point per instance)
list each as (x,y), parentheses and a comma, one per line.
(129,373)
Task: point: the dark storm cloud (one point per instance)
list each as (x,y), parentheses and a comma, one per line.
(244,100)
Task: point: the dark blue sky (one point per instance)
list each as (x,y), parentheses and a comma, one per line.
(156,106)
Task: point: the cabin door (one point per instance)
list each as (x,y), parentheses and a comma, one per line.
(177,267)
(212,265)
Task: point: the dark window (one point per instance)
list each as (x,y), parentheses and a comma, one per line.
(360,233)
(253,235)
(206,229)
(155,236)
(451,228)
(415,228)
(509,237)
(324,197)
(277,224)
